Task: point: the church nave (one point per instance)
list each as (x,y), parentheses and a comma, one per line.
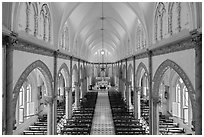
(101,68)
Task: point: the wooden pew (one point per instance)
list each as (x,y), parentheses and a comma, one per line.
(35,132)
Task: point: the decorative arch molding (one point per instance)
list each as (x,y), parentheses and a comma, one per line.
(159,75)
(37,19)
(171,18)
(66,69)
(46,73)
(130,72)
(140,67)
(64,66)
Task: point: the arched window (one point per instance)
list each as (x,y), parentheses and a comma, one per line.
(160,22)
(182,100)
(28,100)
(159,18)
(165,22)
(170,18)
(22,24)
(175,16)
(64,39)
(47,28)
(45,23)
(31,21)
(185,15)
(143,41)
(140,37)
(185,105)
(21,105)
(65,42)
(41,26)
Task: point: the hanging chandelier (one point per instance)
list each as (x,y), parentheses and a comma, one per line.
(102,29)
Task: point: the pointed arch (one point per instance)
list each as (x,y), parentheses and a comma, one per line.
(42,67)
(22,20)
(162,69)
(139,74)
(158,78)
(65,72)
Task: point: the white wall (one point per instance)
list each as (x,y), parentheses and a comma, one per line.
(185,59)
(21,60)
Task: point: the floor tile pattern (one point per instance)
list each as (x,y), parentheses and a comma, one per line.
(102,121)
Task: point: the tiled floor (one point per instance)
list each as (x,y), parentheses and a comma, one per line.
(102,121)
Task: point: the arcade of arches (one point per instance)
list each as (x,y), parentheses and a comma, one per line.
(56,80)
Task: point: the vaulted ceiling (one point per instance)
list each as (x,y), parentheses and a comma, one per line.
(95,26)
(108,26)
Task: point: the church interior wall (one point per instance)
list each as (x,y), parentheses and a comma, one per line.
(178,57)
(21,60)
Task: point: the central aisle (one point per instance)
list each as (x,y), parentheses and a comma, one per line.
(102,121)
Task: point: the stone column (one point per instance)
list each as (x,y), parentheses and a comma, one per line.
(135,93)
(84,86)
(9,117)
(118,74)
(77,90)
(113,78)
(137,103)
(127,90)
(150,94)
(70,103)
(77,87)
(83,82)
(50,118)
(67,102)
(153,114)
(121,80)
(129,95)
(112,69)
(70,90)
(55,96)
(197,39)
(4,88)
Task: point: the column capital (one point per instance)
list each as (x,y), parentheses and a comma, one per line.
(10,40)
(149,52)
(48,99)
(56,52)
(196,37)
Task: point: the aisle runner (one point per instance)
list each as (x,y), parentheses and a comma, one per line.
(102,121)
